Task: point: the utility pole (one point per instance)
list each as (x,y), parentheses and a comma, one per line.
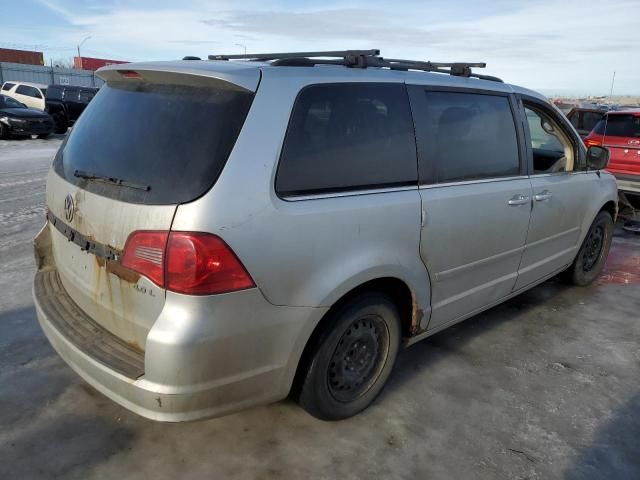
(243,46)
(79,45)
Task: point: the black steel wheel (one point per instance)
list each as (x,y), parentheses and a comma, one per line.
(592,248)
(357,360)
(352,358)
(592,255)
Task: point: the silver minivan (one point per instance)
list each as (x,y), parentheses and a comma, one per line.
(226,233)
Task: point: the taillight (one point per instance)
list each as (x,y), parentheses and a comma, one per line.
(144,252)
(186,262)
(202,264)
(590,143)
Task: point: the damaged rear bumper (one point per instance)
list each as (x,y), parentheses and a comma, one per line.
(203,357)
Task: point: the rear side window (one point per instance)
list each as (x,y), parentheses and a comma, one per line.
(86,95)
(71,94)
(465,136)
(28,91)
(574,118)
(346,137)
(7,86)
(590,119)
(172,141)
(54,92)
(619,126)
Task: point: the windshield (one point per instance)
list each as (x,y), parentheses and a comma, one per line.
(619,126)
(175,139)
(8,102)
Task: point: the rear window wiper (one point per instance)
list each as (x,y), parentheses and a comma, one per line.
(112,180)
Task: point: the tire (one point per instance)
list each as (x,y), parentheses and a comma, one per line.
(44,135)
(592,255)
(60,123)
(4,134)
(352,359)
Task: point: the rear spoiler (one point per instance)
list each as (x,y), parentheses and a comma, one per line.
(226,74)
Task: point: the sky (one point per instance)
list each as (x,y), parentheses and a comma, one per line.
(569,47)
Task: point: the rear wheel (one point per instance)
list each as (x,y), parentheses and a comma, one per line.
(352,359)
(593,253)
(59,123)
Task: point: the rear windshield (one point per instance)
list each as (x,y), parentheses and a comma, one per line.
(168,143)
(619,126)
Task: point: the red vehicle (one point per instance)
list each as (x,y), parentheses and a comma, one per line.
(585,119)
(620,132)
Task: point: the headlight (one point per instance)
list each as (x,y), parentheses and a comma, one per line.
(4,120)
(17,121)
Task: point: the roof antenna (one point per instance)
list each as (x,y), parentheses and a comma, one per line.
(606,117)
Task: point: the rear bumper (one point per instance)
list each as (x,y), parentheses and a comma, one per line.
(193,367)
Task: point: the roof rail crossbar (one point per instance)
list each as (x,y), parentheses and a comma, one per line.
(278,56)
(361,59)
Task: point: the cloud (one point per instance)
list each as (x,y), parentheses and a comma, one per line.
(547,44)
(193,42)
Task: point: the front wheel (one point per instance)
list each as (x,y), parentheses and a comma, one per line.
(353,358)
(60,123)
(592,255)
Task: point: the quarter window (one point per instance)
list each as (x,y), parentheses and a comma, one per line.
(465,136)
(7,86)
(552,150)
(346,137)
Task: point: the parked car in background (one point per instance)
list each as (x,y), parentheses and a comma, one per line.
(619,131)
(65,104)
(31,94)
(18,120)
(222,234)
(584,119)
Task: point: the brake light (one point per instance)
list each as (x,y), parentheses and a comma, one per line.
(193,263)
(129,73)
(591,143)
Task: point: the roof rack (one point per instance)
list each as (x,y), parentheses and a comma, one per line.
(360,59)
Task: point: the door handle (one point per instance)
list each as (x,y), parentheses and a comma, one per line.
(518,200)
(542,196)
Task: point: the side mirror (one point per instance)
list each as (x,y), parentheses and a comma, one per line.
(597,157)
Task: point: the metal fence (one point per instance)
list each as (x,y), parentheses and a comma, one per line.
(48,75)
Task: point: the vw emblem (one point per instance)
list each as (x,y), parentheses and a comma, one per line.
(69,207)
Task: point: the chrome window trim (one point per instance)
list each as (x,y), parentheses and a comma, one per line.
(472,182)
(349,193)
(572,172)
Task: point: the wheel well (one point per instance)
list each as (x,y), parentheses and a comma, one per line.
(398,292)
(611,208)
